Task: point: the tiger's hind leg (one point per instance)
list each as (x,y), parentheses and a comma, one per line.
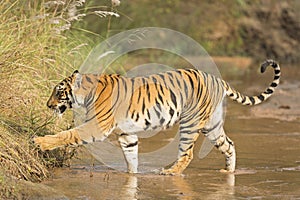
(188,136)
(224,144)
(129,145)
(214,131)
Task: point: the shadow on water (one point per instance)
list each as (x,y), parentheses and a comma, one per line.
(268,162)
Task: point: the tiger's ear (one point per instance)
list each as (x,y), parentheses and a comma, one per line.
(77,79)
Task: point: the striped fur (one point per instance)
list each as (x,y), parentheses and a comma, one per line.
(126,106)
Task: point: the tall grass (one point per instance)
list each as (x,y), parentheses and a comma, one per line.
(37,49)
(30,52)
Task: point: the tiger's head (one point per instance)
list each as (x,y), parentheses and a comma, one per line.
(62,95)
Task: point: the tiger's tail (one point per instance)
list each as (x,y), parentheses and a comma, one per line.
(254,100)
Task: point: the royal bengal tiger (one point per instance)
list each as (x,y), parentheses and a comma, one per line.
(125,106)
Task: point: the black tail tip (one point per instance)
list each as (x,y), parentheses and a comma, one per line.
(265,64)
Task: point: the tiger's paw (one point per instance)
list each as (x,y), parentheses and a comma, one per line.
(226,171)
(48,142)
(169,172)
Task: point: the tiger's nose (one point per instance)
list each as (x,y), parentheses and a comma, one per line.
(49,104)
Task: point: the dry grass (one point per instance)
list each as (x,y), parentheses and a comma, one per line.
(35,51)
(19,159)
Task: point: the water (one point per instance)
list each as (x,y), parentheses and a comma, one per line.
(268,158)
(268,166)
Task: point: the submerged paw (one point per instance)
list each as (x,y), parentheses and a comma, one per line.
(226,171)
(168,172)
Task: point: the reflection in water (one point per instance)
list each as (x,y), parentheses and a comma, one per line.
(130,189)
(225,190)
(230,179)
(177,186)
(185,189)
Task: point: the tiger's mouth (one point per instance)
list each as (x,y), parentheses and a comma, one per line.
(62,109)
(59,110)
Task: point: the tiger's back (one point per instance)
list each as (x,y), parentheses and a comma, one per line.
(160,100)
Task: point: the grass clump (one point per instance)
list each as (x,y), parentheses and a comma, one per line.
(40,44)
(25,55)
(17,157)
(37,49)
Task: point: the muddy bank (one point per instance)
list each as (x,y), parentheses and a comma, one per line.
(13,188)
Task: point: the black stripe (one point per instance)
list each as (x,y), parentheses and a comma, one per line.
(132,114)
(217,146)
(191,146)
(261,97)
(191,81)
(160,97)
(268,91)
(124,84)
(147,123)
(143,106)
(185,139)
(139,94)
(137,117)
(148,91)
(173,98)
(105,119)
(161,89)
(154,79)
(244,99)
(178,82)
(170,77)
(171,112)
(252,100)
(186,92)
(131,144)
(156,112)
(161,121)
(274,84)
(148,114)
(158,105)
(276,77)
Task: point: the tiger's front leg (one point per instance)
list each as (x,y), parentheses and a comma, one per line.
(129,145)
(50,142)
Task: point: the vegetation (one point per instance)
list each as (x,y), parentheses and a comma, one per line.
(37,49)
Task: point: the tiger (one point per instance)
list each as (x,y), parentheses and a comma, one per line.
(128,105)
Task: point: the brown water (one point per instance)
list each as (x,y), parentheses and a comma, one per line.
(268,162)
(268,166)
